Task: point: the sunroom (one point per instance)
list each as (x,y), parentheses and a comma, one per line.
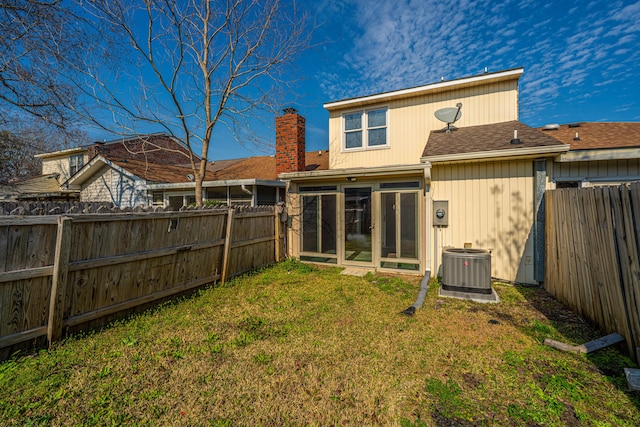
(361,217)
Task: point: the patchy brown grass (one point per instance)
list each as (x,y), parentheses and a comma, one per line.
(294,345)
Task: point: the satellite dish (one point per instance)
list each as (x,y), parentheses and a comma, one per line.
(190,177)
(449,116)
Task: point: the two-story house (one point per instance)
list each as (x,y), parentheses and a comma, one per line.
(392,160)
(153,170)
(602,153)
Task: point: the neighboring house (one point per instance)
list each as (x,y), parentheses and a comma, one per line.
(392,164)
(43,187)
(152,170)
(74,166)
(57,167)
(64,163)
(248,181)
(601,154)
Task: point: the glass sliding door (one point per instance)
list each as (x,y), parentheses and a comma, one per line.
(408,225)
(319,228)
(399,231)
(357,225)
(388,226)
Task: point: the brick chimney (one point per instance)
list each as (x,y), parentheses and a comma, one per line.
(290,142)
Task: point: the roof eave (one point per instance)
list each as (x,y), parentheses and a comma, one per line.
(594,154)
(66,152)
(90,169)
(217,183)
(511,74)
(421,168)
(506,154)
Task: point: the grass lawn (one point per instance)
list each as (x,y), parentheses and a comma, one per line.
(295,346)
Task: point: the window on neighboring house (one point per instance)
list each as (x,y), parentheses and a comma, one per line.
(217,195)
(75,163)
(157,198)
(239,196)
(365,129)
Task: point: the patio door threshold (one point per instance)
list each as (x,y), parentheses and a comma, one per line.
(357,271)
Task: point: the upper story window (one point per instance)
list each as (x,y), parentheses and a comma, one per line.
(365,129)
(75,163)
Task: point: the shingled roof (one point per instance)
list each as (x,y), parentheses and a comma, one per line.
(489,138)
(153,148)
(155,172)
(258,167)
(595,135)
(264,167)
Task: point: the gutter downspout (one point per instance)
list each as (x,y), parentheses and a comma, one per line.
(244,188)
(424,284)
(428,217)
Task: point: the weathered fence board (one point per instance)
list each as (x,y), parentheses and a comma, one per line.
(59,280)
(64,272)
(38,208)
(592,257)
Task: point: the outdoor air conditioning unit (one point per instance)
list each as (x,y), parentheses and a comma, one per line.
(466,273)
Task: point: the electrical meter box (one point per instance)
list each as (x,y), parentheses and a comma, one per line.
(440,213)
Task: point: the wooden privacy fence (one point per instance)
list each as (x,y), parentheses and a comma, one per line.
(592,238)
(54,207)
(60,273)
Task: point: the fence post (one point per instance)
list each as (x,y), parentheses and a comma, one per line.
(277,233)
(227,245)
(58,285)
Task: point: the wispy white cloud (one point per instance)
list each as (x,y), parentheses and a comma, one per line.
(567,48)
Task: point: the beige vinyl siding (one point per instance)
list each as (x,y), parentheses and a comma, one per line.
(411,120)
(109,185)
(601,172)
(60,165)
(490,207)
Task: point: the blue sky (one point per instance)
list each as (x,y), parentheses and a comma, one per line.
(581,59)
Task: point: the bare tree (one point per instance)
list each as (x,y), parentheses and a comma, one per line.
(16,158)
(192,67)
(37,37)
(22,139)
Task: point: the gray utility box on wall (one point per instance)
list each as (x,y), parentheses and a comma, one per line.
(466,270)
(440,213)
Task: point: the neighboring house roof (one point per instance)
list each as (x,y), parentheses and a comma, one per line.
(40,186)
(445,85)
(65,152)
(155,148)
(264,167)
(260,168)
(155,172)
(488,141)
(597,135)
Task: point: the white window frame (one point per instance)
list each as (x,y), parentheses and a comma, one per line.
(364,129)
(76,162)
(152,197)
